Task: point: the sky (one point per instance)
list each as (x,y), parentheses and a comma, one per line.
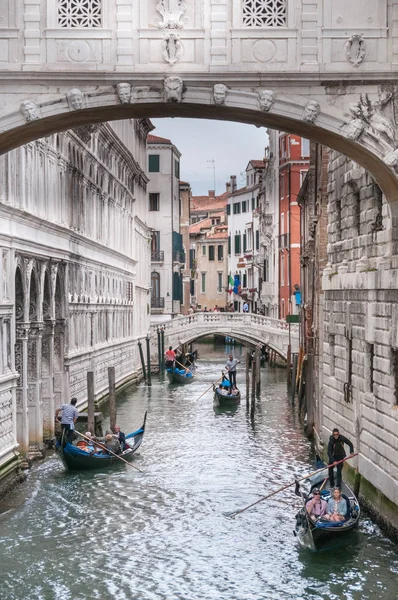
(230,144)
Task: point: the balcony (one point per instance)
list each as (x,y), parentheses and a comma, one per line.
(179,256)
(157,256)
(284,241)
(157,302)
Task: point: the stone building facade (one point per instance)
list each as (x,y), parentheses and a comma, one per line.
(359,372)
(75,273)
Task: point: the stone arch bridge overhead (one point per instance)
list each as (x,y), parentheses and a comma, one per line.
(323,70)
(249,329)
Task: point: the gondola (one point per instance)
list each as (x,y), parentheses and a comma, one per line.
(76,458)
(320,535)
(226,399)
(176,375)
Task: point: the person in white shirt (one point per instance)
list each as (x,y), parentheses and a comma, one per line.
(68,420)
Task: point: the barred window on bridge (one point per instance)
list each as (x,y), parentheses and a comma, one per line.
(265,13)
(80,13)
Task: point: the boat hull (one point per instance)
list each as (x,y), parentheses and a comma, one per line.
(226,400)
(174,377)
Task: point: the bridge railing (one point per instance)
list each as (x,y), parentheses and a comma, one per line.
(216,318)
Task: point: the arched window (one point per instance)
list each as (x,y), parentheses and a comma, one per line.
(155,284)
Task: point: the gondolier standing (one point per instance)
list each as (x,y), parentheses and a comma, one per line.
(68,420)
(336,453)
(231,368)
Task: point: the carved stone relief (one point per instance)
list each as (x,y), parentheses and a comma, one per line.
(29,110)
(311,111)
(366,115)
(123,90)
(355,49)
(171,48)
(171,11)
(173,88)
(266,100)
(220,92)
(75,98)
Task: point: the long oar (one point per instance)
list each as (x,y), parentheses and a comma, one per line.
(234,513)
(208,389)
(186,368)
(95,443)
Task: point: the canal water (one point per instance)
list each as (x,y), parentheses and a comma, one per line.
(162,534)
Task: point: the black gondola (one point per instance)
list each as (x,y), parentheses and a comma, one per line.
(226,399)
(320,535)
(77,459)
(176,375)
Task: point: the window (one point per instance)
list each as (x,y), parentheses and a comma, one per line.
(283,310)
(356,203)
(244,206)
(305,147)
(203,281)
(229,245)
(257,240)
(211,252)
(244,280)
(244,242)
(154,163)
(154,202)
(282,223)
(219,281)
(203,250)
(282,270)
(220,252)
(228,209)
(236,208)
(302,177)
(155,243)
(264,13)
(79,13)
(155,284)
(237,243)
(253,203)
(177,168)
(129,291)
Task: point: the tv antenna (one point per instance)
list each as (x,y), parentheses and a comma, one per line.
(213,166)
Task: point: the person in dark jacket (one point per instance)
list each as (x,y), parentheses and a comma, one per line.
(336,453)
(120,436)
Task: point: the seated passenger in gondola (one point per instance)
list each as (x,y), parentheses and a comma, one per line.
(337,507)
(120,436)
(110,442)
(316,507)
(222,390)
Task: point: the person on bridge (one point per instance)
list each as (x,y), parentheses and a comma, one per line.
(231,368)
(245,307)
(170,357)
(336,453)
(68,420)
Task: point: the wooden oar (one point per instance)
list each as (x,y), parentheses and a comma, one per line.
(95,443)
(212,385)
(234,513)
(186,368)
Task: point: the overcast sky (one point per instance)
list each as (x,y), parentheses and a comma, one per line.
(231,145)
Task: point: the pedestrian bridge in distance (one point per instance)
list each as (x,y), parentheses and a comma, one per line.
(249,329)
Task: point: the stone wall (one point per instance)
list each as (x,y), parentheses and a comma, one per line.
(360,366)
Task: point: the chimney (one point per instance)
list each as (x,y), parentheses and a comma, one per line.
(228,187)
(212,194)
(233,183)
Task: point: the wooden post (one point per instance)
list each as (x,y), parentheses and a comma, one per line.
(90,402)
(247,378)
(253,402)
(142,359)
(160,358)
(258,371)
(148,360)
(112,397)
(289,365)
(162,341)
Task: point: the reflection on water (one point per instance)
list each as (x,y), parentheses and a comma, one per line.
(161,534)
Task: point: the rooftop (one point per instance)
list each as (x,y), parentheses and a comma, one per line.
(155,139)
(212,203)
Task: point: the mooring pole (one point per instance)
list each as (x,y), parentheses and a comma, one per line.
(142,359)
(258,371)
(247,378)
(112,397)
(253,402)
(148,360)
(90,402)
(159,351)
(162,339)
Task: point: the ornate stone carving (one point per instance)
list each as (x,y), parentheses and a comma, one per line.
(86,132)
(311,111)
(123,90)
(354,128)
(75,98)
(372,120)
(266,100)
(173,89)
(355,49)
(29,110)
(171,11)
(220,92)
(172,48)
(391,159)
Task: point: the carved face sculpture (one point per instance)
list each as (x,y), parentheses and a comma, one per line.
(29,111)
(311,111)
(75,98)
(266,100)
(354,129)
(124,92)
(173,87)
(220,92)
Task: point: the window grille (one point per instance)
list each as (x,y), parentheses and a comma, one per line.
(265,13)
(80,13)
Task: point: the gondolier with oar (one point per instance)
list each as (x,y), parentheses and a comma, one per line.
(336,453)
(231,368)
(68,420)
